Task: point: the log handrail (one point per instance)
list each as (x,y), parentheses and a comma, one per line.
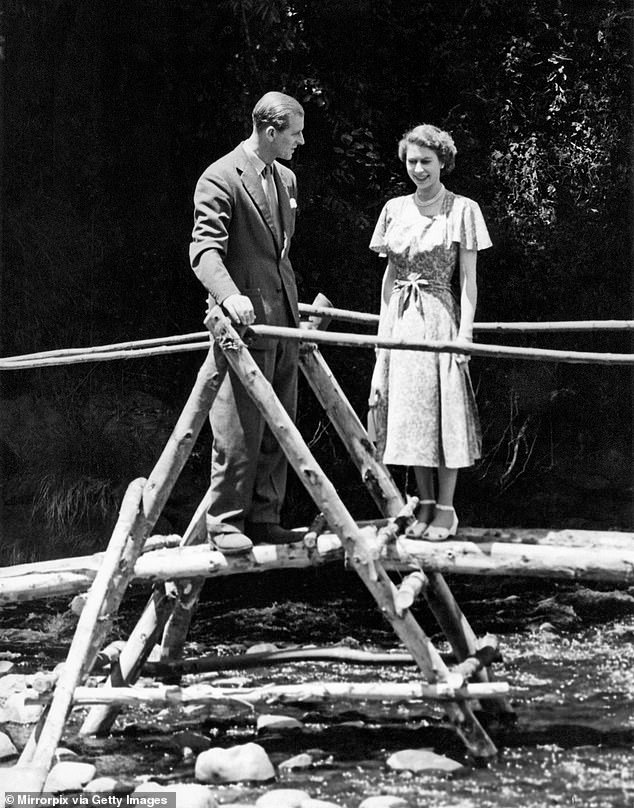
(185,343)
(340,339)
(366,318)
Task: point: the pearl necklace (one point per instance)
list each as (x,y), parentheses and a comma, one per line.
(431,201)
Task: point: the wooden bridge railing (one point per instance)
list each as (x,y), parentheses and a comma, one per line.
(198,341)
(365,547)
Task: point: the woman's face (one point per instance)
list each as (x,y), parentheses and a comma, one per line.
(423,168)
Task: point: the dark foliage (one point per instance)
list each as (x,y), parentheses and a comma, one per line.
(111,112)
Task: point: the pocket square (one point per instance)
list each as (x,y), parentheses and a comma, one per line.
(293,202)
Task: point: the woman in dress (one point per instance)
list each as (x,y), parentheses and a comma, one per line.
(422,403)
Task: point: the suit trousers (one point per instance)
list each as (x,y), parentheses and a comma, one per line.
(248,466)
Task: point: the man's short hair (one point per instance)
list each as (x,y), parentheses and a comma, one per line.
(274,109)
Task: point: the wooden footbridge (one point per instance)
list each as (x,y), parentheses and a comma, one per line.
(179,566)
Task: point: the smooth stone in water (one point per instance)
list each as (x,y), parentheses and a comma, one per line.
(69,776)
(61,753)
(16,711)
(302,761)
(273,722)
(192,795)
(262,648)
(243,762)
(21,778)
(12,683)
(7,749)
(17,718)
(384,801)
(191,740)
(78,602)
(101,785)
(283,798)
(419,760)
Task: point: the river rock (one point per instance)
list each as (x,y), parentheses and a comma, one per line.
(186,795)
(192,795)
(187,739)
(274,722)
(78,602)
(384,801)
(262,648)
(16,711)
(247,761)
(303,761)
(420,760)
(102,785)
(21,778)
(69,776)
(62,753)
(283,798)
(6,666)
(12,683)
(7,748)
(310,803)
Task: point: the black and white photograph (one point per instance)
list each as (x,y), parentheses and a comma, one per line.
(317,403)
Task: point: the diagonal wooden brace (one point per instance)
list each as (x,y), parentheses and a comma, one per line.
(155,494)
(341,522)
(390,502)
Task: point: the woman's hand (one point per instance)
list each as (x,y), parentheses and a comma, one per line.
(375,386)
(463,359)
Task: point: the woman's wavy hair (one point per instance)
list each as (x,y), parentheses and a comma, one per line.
(431,137)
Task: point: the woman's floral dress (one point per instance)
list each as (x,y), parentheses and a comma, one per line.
(427,414)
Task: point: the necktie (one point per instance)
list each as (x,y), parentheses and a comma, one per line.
(271,197)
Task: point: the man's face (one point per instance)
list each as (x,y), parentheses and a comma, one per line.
(285,141)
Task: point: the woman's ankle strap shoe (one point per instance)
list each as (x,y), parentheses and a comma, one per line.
(417,528)
(438,533)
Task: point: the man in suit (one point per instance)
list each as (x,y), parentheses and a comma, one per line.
(245,206)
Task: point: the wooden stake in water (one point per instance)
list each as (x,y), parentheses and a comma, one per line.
(155,495)
(103,602)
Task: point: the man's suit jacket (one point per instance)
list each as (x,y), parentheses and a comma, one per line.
(234,248)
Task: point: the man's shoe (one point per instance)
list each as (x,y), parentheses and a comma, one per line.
(232,543)
(270,533)
(227,538)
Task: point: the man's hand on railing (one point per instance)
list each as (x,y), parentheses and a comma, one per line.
(240,309)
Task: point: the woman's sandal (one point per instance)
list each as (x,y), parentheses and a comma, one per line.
(417,528)
(437,533)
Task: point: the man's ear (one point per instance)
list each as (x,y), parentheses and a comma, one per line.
(270,132)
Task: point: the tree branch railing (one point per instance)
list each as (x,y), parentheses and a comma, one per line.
(185,343)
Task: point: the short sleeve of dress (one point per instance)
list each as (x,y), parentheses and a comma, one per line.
(377,242)
(468,226)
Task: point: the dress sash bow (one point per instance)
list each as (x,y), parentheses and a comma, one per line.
(410,290)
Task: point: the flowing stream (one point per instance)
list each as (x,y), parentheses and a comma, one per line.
(567,653)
